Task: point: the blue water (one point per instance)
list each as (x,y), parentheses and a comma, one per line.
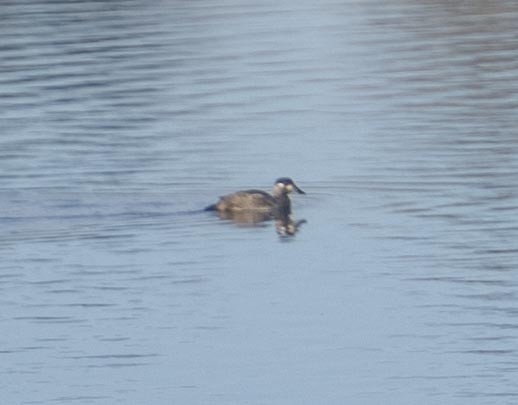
(121,120)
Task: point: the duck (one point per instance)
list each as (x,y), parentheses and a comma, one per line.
(257,204)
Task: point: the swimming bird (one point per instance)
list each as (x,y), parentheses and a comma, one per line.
(258,205)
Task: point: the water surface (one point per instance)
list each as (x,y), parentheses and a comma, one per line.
(121,120)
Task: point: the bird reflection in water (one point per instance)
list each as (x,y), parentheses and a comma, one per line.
(287,226)
(256,206)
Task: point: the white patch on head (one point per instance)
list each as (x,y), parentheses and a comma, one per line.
(289,187)
(279,185)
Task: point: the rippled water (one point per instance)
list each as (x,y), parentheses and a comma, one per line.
(121,120)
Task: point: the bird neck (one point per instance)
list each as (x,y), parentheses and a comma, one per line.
(283,204)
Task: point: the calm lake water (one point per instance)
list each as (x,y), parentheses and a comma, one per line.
(121,120)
